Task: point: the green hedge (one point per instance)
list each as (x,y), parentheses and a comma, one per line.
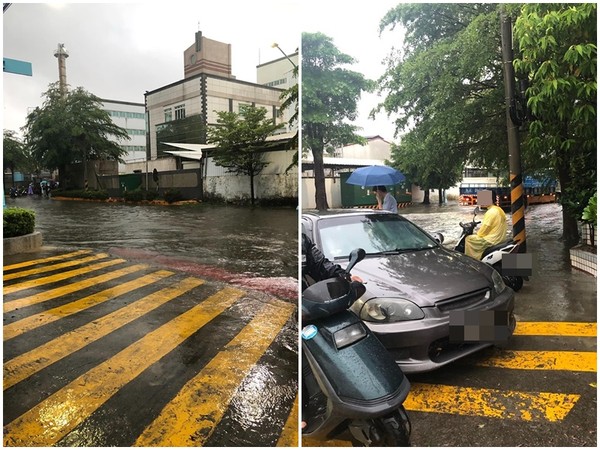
(139,195)
(18,222)
(92,195)
(173,195)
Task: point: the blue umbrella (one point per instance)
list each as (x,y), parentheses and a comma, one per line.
(375,176)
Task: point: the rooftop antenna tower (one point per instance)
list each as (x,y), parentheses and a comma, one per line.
(62,55)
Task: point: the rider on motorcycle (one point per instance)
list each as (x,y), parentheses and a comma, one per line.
(492,232)
(316,267)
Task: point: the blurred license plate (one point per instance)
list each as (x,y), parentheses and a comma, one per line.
(479,326)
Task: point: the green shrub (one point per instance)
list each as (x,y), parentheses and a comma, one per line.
(90,195)
(133,196)
(139,195)
(151,195)
(590,211)
(173,195)
(18,222)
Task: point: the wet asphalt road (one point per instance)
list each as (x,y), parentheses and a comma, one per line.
(538,391)
(101,351)
(541,389)
(152,326)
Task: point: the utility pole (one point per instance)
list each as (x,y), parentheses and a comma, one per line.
(517,204)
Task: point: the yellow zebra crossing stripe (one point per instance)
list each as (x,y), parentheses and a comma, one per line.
(190,418)
(527,406)
(32,322)
(34,262)
(289,435)
(51,267)
(59,277)
(25,365)
(543,360)
(70,288)
(50,420)
(578,329)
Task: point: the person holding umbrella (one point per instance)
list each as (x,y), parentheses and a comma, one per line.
(385,200)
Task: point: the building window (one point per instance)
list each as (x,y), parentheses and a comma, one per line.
(168,114)
(179,112)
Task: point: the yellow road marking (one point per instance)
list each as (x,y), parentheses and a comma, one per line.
(50,268)
(69,288)
(25,365)
(37,320)
(190,418)
(33,262)
(289,435)
(53,418)
(60,276)
(527,406)
(580,329)
(543,360)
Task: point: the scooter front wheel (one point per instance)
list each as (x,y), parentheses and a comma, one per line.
(390,431)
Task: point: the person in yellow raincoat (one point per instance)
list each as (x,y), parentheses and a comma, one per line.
(492,232)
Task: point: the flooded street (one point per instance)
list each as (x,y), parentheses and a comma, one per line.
(260,242)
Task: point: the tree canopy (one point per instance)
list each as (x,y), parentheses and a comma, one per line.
(330,94)
(72,128)
(558,57)
(445,88)
(241,141)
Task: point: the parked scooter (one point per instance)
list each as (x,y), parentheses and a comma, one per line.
(351,386)
(492,255)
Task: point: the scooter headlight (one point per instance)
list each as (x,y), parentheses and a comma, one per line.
(499,285)
(349,335)
(387,310)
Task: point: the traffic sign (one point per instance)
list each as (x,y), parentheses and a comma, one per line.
(16,66)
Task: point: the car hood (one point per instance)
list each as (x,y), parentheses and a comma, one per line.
(424,277)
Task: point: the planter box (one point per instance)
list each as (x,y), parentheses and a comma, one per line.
(583,257)
(22,244)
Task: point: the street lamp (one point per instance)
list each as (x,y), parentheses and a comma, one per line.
(276,45)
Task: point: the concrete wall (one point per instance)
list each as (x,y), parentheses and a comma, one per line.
(22,244)
(212,181)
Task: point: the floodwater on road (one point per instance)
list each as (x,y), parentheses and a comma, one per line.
(259,242)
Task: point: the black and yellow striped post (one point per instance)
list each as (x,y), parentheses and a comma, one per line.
(517,204)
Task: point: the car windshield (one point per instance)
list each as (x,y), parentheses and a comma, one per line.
(376,234)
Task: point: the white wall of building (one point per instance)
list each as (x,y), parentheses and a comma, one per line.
(131,117)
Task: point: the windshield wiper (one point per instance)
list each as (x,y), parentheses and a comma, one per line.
(399,251)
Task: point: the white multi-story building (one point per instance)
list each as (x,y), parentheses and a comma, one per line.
(131,117)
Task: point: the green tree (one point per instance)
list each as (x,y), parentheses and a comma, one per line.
(558,56)
(241,141)
(445,88)
(330,93)
(12,153)
(72,128)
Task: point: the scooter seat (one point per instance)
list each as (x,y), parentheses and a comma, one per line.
(494,248)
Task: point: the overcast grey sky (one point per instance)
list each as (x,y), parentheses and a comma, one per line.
(117,51)
(354,28)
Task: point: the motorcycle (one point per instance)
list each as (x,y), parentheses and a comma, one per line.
(352,387)
(492,255)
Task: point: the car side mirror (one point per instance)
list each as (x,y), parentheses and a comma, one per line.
(438,237)
(356,255)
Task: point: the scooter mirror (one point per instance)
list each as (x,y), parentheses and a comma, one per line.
(438,237)
(356,255)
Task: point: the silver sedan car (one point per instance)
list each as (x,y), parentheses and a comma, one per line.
(427,304)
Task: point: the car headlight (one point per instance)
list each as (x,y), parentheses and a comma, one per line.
(499,285)
(386,310)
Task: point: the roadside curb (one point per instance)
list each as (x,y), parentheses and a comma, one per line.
(22,244)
